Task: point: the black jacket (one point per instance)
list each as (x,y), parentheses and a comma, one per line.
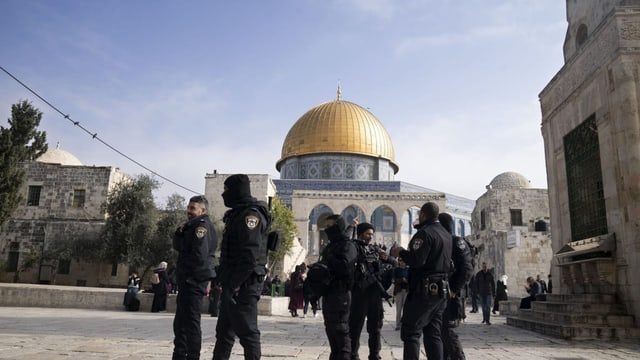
(461,257)
(196,244)
(341,255)
(429,253)
(485,284)
(243,249)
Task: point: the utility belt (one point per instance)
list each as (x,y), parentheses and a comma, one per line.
(435,285)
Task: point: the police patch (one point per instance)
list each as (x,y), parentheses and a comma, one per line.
(252,221)
(201,232)
(417,243)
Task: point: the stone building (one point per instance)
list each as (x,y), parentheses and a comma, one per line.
(511,230)
(62,199)
(339,158)
(591,132)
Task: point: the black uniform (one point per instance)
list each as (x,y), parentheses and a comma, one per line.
(366,299)
(340,255)
(429,258)
(196,244)
(461,257)
(242,272)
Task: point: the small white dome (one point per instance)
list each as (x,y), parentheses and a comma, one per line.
(59,156)
(510,180)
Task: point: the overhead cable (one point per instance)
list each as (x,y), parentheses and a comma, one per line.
(94,135)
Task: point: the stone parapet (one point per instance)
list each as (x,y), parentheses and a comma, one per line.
(75,297)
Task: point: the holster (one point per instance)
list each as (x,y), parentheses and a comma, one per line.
(434,287)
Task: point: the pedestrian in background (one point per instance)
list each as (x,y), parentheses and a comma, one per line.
(296,295)
(400,286)
(501,293)
(131,301)
(160,288)
(486,286)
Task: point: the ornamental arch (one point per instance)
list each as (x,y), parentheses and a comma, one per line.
(309,207)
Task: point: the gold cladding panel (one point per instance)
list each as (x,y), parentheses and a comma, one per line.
(338,127)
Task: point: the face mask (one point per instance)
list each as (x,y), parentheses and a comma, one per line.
(229,200)
(333,232)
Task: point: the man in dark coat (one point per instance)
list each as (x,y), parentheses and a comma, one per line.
(242,268)
(486,286)
(196,244)
(429,260)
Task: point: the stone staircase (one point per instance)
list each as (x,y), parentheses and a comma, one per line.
(575,317)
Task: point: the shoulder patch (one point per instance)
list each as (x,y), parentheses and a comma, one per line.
(251,221)
(201,231)
(417,243)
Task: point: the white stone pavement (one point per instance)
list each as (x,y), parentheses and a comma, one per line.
(48,333)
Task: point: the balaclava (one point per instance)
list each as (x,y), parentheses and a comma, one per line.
(446,221)
(337,230)
(238,188)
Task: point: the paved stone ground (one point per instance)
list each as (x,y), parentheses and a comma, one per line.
(46,333)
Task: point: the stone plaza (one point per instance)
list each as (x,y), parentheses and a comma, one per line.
(53,333)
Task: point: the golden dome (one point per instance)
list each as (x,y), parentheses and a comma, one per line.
(338,127)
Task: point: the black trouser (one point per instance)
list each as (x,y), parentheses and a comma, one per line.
(239,317)
(366,303)
(335,309)
(451,346)
(422,315)
(214,302)
(186,323)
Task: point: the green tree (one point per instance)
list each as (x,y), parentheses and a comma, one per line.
(129,231)
(79,243)
(174,214)
(283,223)
(21,141)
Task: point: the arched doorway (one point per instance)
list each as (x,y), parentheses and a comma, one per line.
(317,237)
(384,221)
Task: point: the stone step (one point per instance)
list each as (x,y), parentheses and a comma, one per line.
(583,298)
(579,307)
(613,320)
(578,332)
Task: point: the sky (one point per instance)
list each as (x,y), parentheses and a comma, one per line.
(188,87)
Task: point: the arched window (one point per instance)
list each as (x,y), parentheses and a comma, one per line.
(353,212)
(581,35)
(461,228)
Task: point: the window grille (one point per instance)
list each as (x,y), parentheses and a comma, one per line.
(587,209)
(33,198)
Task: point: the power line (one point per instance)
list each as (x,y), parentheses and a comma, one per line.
(94,135)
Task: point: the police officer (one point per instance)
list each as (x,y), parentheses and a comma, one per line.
(368,291)
(196,244)
(242,269)
(463,269)
(340,255)
(429,258)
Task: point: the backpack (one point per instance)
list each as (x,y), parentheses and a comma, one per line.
(155,278)
(318,280)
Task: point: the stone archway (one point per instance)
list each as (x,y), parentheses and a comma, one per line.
(316,236)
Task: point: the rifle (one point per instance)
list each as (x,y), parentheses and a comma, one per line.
(385,295)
